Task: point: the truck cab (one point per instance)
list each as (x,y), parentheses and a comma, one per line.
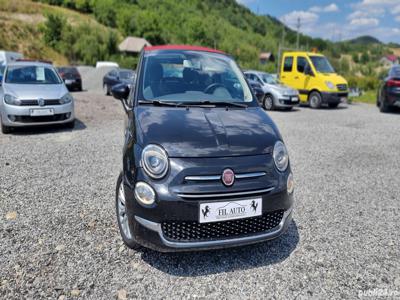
(314,77)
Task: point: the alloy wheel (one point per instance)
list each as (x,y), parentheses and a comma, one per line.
(122,213)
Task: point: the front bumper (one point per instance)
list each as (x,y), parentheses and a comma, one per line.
(288,101)
(333,97)
(20,116)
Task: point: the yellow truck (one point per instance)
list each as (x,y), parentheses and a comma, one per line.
(314,77)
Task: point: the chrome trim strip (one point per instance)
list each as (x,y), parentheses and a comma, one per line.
(157,228)
(202,196)
(218,177)
(250,175)
(203,178)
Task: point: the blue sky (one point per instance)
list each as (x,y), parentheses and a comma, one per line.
(336,20)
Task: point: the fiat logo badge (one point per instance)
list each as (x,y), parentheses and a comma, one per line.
(228,177)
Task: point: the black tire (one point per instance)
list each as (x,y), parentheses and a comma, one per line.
(128,241)
(268,102)
(106,90)
(315,100)
(70,125)
(383,107)
(5,129)
(333,105)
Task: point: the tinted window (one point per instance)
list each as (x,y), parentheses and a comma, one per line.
(126,74)
(301,64)
(192,76)
(31,75)
(287,67)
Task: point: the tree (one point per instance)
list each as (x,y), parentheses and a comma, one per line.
(364,57)
(52,29)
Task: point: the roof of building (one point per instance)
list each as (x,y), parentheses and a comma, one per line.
(391,57)
(133,44)
(183,47)
(266,55)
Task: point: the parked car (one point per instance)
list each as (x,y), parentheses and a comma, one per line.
(389,90)
(71,77)
(203,166)
(276,95)
(257,89)
(314,77)
(117,76)
(31,94)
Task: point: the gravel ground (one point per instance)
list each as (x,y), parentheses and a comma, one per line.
(59,236)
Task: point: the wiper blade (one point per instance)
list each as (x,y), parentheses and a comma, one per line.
(162,103)
(227,103)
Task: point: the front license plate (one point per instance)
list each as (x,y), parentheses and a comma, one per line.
(295,99)
(230,210)
(42,112)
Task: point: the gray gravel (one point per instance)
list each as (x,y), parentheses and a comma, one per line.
(59,236)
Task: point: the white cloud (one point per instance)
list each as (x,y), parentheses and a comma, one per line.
(364,22)
(307,19)
(329,8)
(397,19)
(395,10)
(377,12)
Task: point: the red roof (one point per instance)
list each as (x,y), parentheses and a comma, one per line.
(391,57)
(182,47)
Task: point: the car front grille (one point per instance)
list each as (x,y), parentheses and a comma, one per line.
(193,231)
(342,87)
(40,119)
(35,102)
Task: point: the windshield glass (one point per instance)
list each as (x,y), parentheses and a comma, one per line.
(31,75)
(321,64)
(2,70)
(126,74)
(269,79)
(192,76)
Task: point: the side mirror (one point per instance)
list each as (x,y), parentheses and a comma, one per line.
(120,91)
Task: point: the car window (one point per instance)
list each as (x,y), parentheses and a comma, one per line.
(126,74)
(394,72)
(269,79)
(31,75)
(301,64)
(321,64)
(192,76)
(288,64)
(113,73)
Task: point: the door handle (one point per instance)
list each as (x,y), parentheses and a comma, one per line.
(283,76)
(296,77)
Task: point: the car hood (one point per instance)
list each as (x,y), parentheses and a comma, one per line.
(334,78)
(204,132)
(35,91)
(281,88)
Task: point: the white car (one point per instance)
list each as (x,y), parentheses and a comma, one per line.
(277,95)
(32,93)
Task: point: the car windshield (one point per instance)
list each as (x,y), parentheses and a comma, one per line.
(126,74)
(192,76)
(31,75)
(269,79)
(2,70)
(321,64)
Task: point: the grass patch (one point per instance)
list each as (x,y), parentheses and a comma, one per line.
(367,97)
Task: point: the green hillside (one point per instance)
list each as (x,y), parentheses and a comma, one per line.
(84,31)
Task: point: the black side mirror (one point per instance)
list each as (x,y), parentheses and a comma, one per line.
(120,91)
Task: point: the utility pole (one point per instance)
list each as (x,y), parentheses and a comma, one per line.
(298,33)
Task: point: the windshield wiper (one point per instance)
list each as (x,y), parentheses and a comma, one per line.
(226,103)
(162,103)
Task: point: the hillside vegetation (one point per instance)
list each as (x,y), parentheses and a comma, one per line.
(84,31)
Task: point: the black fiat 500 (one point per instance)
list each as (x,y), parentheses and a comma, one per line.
(204,167)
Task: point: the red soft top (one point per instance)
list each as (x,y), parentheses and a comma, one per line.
(182,47)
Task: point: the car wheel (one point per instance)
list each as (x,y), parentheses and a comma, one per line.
(383,107)
(71,124)
(268,102)
(315,100)
(333,105)
(122,216)
(106,90)
(5,129)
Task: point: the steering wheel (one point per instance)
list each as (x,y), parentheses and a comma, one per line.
(212,87)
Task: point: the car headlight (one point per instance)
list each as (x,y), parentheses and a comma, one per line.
(155,161)
(330,85)
(11,100)
(144,193)
(67,98)
(281,156)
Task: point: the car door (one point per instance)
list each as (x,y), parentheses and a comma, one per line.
(286,74)
(301,80)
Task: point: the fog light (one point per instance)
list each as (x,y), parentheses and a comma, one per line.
(144,193)
(290,184)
